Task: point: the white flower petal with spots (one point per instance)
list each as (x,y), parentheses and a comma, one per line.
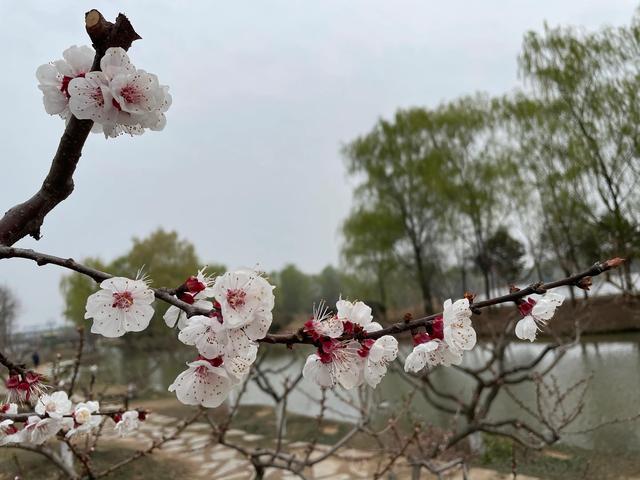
(90,98)
(202,384)
(383,351)
(53,78)
(458,331)
(122,305)
(207,334)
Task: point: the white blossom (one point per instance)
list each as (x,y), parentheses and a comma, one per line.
(246,300)
(432,353)
(458,331)
(122,305)
(121,98)
(128,423)
(84,419)
(536,314)
(55,405)
(207,382)
(53,78)
(335,363)
(358,313)
(380,353)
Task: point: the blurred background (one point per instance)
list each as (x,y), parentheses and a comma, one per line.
(400,153)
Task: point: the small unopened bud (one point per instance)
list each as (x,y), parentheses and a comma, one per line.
(585,283)
(470,296)
(513,289)
(407,317)
(613,263)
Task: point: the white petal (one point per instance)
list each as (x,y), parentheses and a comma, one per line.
(116,61)
(416,360)
(385,349)
(526,328)
(317,371)
(171,316)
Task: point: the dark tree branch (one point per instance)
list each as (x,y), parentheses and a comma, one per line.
(12,367)
(299,337)
(27,218)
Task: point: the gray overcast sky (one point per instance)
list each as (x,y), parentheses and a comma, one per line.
(264,94)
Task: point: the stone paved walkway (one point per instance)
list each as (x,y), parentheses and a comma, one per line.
(196,446)
(217,462)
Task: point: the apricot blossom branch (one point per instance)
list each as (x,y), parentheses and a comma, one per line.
(27,218)
(300,336)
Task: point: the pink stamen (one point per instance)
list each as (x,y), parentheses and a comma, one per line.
(122,300)
(130,94)
(236,298)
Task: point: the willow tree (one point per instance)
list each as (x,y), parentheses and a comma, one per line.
(401,172)
(592,79)
(477,179)
(370,238)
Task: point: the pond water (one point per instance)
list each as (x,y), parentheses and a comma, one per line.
(611,362)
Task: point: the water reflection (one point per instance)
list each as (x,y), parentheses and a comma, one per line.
(611,361)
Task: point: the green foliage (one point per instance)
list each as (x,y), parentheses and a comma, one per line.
(293,294)
(455,190)
(587,127)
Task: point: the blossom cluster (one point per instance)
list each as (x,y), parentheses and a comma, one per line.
(239,303)
(55,414)
(451,334)
(119,98)
(238,308)
(352,362)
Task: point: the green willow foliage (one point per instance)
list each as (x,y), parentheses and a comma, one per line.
(469,187)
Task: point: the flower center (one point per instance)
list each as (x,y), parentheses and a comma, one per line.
(122,300)
(51,407)
(526,306)
(82,415)
(236,298)
(130,94)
